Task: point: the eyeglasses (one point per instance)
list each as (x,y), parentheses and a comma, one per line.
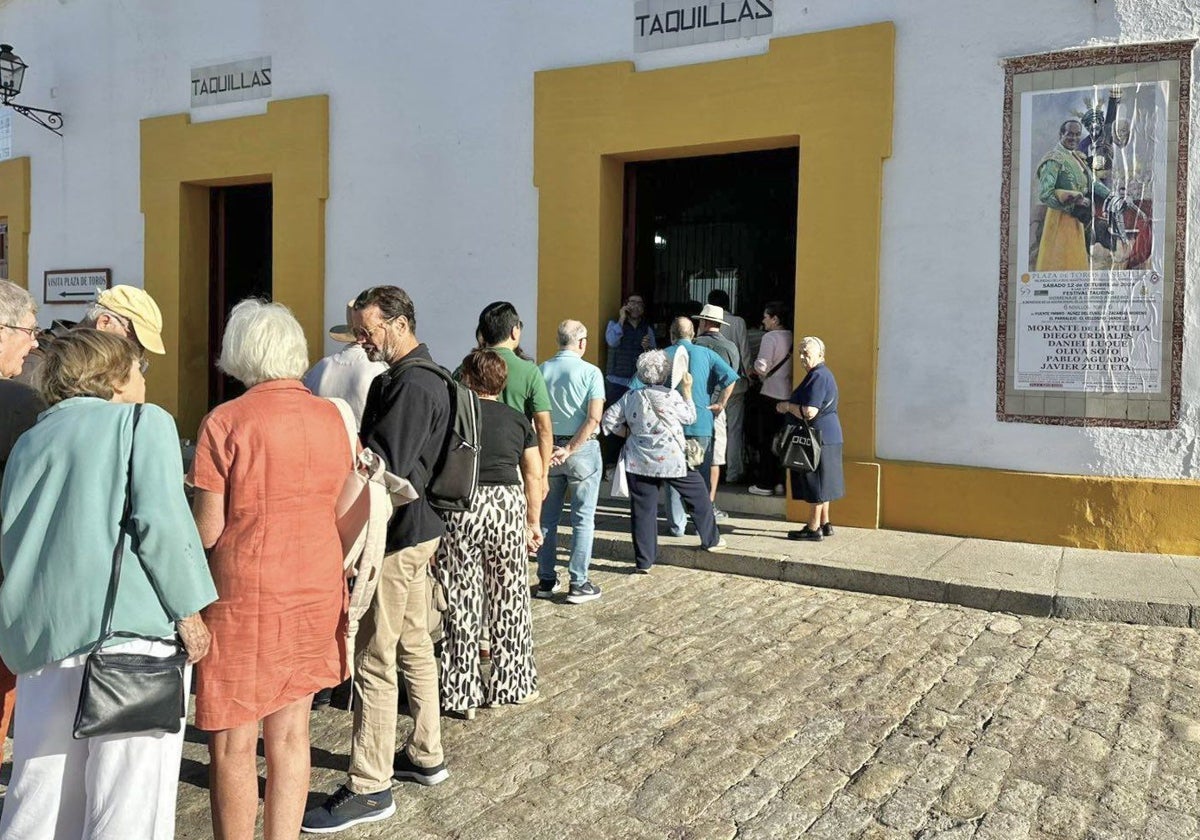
(361,335)
(143,365)
(32,332)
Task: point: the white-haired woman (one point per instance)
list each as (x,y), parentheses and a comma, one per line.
(652,420)
(268,469)
(816,400)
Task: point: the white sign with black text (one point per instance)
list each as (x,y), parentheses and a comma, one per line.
(660,24)
(236,81)
(76,285)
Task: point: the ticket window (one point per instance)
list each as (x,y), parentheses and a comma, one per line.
(726,222)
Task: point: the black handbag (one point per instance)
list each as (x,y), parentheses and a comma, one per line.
(798,446)
(124,693)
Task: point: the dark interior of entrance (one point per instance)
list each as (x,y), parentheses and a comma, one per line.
(723,221)
(239,267)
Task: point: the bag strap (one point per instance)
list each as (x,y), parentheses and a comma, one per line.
(110,600)
(426,364)
(778,365)
(347,413)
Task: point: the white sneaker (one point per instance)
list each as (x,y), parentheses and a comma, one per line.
(719,514)
(761,491)
(720,546)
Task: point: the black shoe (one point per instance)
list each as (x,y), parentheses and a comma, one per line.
(547,588)
(322,698)
(827,529)
(345,808)
(805,534)
(403,770)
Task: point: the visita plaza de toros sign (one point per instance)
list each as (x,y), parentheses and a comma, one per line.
(658,24)
(236,81)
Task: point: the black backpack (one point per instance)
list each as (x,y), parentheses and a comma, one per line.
(456,473)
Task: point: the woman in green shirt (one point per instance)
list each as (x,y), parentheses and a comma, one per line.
(61,507)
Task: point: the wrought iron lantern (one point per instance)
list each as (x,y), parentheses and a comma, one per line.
(12,74)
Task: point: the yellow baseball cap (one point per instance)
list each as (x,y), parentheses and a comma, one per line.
(141,310)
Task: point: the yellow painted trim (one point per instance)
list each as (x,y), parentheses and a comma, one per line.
(830,93)
(288,147)
(1117,514)
(14,206)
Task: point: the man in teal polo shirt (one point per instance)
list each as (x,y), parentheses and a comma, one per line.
(576,391)
(525,390)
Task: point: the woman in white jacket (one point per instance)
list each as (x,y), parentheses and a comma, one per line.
(652,420)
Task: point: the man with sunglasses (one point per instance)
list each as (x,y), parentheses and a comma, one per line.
(405,421)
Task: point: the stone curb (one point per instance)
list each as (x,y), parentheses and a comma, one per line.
(950,591)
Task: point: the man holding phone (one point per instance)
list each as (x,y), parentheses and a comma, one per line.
(627,338)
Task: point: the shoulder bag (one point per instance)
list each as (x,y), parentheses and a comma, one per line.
(124,693)
(756,384)
(798,446)
(693,450)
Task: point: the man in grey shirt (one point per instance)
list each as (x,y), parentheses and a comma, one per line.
(708,334)
(734,329)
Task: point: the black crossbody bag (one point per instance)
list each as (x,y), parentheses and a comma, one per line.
(124,693)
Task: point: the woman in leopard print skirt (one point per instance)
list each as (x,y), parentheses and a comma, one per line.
(484,555)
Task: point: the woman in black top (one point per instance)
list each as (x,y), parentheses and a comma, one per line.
(484,555)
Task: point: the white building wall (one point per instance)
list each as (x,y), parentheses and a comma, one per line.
(431,120)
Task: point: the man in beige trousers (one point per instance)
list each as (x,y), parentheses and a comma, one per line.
(405,422)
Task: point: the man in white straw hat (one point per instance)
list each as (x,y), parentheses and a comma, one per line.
(347,373)
(708,334)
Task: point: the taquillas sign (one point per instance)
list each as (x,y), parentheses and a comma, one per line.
(236,81)
(658,24)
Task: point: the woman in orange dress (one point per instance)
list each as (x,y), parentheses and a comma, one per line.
(268,469)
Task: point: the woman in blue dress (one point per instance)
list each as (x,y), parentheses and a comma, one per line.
(816,399)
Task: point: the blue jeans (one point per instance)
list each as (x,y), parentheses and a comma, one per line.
(676,516)
(582,473)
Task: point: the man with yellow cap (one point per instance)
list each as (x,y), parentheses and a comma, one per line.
(131,312)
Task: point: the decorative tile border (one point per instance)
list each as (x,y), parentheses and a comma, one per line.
(1088,59)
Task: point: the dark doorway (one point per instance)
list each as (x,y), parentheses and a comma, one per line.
(696,224)
(239,267)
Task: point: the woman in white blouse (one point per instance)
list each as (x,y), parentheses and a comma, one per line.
(652,420)
(773,368)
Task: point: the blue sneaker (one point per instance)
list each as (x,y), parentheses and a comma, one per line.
(345,808)
(581,593)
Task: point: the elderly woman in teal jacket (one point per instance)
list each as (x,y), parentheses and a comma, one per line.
(61,508)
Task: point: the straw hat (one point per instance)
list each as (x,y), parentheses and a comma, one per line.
(344,332)
(713,313)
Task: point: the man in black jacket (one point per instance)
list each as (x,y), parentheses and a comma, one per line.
(405,421)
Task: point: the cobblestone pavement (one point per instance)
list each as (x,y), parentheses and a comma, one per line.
(693,706)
